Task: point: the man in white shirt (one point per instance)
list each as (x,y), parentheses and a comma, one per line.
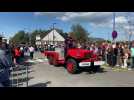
(31,50)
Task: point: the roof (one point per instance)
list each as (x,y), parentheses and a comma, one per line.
(64,35)
(57,36)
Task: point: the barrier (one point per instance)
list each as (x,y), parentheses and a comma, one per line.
(19,76)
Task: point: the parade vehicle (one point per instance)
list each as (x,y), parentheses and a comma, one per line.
(75,59)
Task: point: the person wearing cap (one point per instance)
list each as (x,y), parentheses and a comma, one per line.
(4,67)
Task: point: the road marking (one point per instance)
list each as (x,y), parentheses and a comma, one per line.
(36,60)
(29,60)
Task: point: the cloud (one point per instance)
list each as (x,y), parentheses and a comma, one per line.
(97,19)
(92,17)
(52,14)
(121,19)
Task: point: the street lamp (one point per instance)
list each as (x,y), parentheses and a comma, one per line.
(53,32)
(114,33)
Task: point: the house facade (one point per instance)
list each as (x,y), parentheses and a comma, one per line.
(52,37)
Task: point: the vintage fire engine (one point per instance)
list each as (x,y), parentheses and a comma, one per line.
(75,59)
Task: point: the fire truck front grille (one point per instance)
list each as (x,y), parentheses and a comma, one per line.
(87,55)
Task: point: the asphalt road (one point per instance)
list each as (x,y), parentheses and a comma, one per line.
(44,75)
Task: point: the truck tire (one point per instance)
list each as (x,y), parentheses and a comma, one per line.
(50,60)
(47,57)
(72,66)
(55,63)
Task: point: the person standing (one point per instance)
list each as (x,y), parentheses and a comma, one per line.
(68,44)
(31,50)
(120,55)
(114,55)
(109,56)
(132,56)
(8,51)
(4,67)
(126,55)
(103,48)
(22,51)
(17,55)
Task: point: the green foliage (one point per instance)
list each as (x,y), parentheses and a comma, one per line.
(23,37)
(20,37)
(108,41)
(79,33)
(33,35)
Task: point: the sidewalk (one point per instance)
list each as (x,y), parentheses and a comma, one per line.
(115,68)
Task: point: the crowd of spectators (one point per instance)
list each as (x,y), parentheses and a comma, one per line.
(119,54)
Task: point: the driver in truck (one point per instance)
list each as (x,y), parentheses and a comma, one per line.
(69,43)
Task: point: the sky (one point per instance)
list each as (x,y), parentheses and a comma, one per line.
(98,24)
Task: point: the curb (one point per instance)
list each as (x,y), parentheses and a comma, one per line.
(115,69)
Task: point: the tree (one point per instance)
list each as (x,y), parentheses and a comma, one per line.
(33,35)
(20,37)
(61,32)
(73,35)
(79,33)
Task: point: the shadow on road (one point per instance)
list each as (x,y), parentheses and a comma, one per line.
(41,84)
(27,63)
(90,71)
(24,61)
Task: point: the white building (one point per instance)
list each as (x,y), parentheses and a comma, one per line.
(5,40)
(38,40)
(53,37)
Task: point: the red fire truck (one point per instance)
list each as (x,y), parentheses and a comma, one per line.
(75,59)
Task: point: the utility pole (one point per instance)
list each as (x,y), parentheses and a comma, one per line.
(113,21)
(53,32)
(113,24)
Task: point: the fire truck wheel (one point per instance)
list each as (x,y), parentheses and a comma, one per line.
(72,66)
(47,57)
(50,60)
(55,63)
